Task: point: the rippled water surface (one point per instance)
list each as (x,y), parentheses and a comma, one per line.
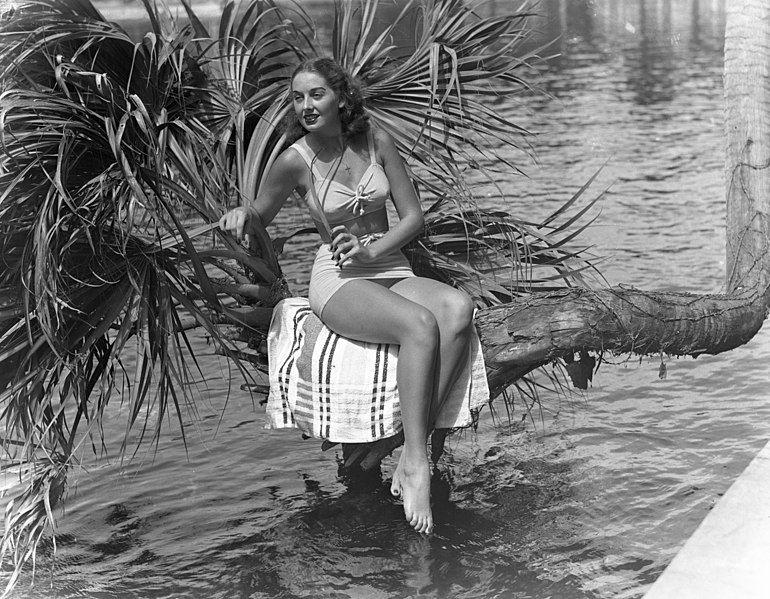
(590,496)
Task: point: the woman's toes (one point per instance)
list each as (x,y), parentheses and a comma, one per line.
(395,488)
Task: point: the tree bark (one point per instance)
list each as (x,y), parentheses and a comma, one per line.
(747,158)
(534,331)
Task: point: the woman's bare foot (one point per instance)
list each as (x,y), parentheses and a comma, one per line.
(411,481)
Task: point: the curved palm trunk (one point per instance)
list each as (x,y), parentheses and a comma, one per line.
(520,336)
(536,330)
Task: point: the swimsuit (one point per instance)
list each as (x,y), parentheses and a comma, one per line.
(335,204)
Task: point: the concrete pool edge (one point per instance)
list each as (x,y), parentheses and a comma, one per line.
(727,554)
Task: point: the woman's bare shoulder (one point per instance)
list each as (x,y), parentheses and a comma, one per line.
(290,161)
(384,144)
(382,137)
(383,141)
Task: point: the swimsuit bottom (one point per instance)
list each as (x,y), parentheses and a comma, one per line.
(326,277)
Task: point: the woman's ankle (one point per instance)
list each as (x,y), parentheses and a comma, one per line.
(414,459)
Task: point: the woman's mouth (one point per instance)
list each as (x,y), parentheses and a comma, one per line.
(310,119)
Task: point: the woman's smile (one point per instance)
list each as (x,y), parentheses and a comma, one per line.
(315,104)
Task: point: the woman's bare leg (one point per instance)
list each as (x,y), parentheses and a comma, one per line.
(453,310)
(368,311)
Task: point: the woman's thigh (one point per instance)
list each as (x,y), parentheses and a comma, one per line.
(444,301)
(371,311)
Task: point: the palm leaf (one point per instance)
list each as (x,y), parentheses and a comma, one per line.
(102,160)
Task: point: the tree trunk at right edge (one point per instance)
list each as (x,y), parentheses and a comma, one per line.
(747,136)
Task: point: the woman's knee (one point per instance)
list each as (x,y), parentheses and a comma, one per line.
(457,311)
(421,326)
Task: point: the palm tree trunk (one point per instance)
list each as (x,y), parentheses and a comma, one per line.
(747,122)
(519,336)
(534,331)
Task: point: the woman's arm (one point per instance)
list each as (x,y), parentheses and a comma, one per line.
(411,220)
(284,176)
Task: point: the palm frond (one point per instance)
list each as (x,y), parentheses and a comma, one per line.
(31,513)
(430,99)
(105,160)
(495,257)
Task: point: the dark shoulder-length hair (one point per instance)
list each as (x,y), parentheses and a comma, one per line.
(353,116)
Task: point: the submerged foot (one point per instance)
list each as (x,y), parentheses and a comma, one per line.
(411,481)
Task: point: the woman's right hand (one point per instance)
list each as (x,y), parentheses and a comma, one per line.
(238,221)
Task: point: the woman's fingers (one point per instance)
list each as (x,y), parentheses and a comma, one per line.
(344,244)
(234,221)
(228,222)
(346,256)
(345,252)
(340,234)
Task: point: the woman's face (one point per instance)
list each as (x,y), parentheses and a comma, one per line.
(315,103)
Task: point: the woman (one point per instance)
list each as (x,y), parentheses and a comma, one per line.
(361,284)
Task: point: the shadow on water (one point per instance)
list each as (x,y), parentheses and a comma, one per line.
(356,544)
(500,517)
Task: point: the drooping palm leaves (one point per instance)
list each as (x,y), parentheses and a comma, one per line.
(117,155)
(104,156)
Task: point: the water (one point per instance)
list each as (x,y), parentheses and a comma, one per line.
(589,497)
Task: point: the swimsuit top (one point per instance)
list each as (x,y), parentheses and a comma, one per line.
(339,202)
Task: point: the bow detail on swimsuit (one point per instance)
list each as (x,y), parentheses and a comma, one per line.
(360,200)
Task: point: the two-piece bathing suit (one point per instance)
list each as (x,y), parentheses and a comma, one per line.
(335,204)
(333,388)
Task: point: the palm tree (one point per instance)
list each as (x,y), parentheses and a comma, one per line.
(118,157)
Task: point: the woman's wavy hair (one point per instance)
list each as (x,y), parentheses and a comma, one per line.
(353,115)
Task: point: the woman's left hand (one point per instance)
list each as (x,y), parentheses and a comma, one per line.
(345,245)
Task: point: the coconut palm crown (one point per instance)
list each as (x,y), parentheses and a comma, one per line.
(118,156)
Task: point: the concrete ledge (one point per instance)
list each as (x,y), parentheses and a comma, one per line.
(728,555)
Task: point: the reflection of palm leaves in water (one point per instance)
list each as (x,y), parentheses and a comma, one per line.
(112,149)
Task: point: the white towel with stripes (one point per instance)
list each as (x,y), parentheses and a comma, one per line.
(345,391)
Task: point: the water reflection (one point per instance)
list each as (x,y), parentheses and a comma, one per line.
(354,544)
(643,38)
(650,41)
(651,75)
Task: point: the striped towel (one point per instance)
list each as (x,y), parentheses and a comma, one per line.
(345,391)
